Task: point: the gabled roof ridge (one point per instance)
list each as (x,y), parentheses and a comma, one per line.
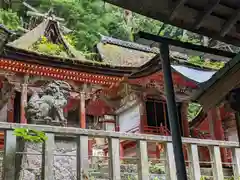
(32,36)
(128,44)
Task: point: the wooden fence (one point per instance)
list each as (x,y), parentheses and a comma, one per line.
(114,157)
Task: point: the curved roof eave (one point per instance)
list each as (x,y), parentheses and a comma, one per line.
(147,69)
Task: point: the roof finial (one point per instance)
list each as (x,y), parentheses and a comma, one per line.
(38,15)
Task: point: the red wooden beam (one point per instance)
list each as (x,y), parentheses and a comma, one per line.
(58,73)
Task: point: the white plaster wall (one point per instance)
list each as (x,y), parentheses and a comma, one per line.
(232,134)
(130,118)
(109,126)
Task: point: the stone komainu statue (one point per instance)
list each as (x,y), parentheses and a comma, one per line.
(48,108)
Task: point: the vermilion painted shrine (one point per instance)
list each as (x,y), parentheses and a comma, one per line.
(122,91)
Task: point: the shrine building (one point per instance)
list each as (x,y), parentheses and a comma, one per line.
(121,90)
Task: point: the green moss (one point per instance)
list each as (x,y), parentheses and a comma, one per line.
(196,60)
(44,46)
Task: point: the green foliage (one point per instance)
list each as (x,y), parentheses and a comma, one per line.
(30,135)
(193,110)
(71,39)
(9,19)
(196,60)
(44,46)
(207,178)
(89,19)
(156,168)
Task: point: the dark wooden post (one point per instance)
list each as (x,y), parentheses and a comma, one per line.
(172,113)
(237,117)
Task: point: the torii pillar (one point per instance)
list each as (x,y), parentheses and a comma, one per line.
(172,112)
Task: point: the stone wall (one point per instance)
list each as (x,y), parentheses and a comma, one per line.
(64,163)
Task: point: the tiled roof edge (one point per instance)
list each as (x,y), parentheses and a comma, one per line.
(127,44)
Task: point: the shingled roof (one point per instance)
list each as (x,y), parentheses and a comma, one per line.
(48,27)
(114,53)
(123,53)
(130,54)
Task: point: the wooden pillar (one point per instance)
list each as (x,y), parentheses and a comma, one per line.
(217,131)
(82,110)
(184,117)
(218,128)
(23,119)
(211,123)
(237,117)
(10,108)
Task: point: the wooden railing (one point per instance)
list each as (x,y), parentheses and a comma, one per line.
(82,135)
(161,130)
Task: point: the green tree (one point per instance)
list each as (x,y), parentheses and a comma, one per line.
(9,19)
(87,19)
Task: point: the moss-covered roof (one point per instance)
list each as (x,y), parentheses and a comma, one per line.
(123,53)
(121,56)
(47,28)
(117,52)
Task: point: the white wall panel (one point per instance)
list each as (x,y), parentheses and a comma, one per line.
(129,119)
